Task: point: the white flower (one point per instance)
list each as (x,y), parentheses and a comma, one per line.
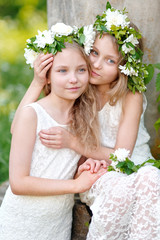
(113,164)
(30,56)
(127,71)
(75,29)
(132,40)
(44,38)
(122,154)
(90,35)
(126,49)
(60,29)
(28,41)
(116,18)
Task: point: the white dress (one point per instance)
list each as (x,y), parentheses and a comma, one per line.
(125,207)
(41,217)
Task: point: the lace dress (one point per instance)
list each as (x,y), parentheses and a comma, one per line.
(125,207)
(41,217)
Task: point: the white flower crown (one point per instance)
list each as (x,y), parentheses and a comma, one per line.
(117,24)
(52,41)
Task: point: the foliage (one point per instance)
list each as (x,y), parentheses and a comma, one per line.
(157,66)
(125,165)
(19,21)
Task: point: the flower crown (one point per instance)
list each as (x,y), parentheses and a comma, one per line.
(117,24)
(52,41)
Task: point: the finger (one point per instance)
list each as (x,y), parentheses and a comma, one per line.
(101,173)
(97,166)
(47,136)
(50,143)
(52,130)
(43,64)
(46,68)
(92,165)
(44,57)
(104,163)
(83,167)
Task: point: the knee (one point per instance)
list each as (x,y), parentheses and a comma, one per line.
(148,176)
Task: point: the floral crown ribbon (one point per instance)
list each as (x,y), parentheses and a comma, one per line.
(52,41)
(117,24)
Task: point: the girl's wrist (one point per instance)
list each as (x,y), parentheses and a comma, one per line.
(38,83)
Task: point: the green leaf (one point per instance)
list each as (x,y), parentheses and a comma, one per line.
(110,168)
(158,98)
(82,39)
(157,164)
(104,28)
(108,5)
(157,124)
(130,164)
(128,171)
(150,70)
(158,82)
(157,65)
(120,164)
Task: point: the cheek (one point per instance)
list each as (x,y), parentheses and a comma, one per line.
(91,58)
(111,72)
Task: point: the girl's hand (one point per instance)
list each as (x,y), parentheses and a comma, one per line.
(91,165)
(85,181)
(41,66)
(56,137)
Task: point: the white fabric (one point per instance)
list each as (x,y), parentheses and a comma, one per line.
(125,207)
(46,217)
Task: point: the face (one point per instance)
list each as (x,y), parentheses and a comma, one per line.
(104,59)
(69,74)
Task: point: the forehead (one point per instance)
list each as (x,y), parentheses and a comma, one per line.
(106,44)
(69,53)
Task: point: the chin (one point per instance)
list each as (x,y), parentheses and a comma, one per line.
(93,81)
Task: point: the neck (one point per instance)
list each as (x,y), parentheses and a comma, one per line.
(58,108)
(103,95)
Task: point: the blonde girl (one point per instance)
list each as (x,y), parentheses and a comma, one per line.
(38,203)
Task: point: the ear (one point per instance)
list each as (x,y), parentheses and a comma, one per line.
(48,81)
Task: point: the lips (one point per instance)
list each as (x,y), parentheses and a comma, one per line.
(73,88)
(94,74)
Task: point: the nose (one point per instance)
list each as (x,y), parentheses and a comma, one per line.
(97,63)
(73,78)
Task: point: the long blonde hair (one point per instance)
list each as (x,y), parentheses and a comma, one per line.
(84,113)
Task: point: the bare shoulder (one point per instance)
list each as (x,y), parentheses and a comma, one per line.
(134,97)
(27,117)
(134,102)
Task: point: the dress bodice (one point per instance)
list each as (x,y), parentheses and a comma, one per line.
(41,217)
(109,117)
(48,162)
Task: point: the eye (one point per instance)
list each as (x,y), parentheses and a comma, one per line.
(110,61)
(62,70)
(81,70)
(94,52)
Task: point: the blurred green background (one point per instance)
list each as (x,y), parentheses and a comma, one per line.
(19,20)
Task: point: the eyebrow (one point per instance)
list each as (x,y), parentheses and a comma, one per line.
(65,66)
(108,55)
(113,56)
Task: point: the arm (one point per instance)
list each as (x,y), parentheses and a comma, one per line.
(129,125)
(20,160)
(41,66)
(126,137)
